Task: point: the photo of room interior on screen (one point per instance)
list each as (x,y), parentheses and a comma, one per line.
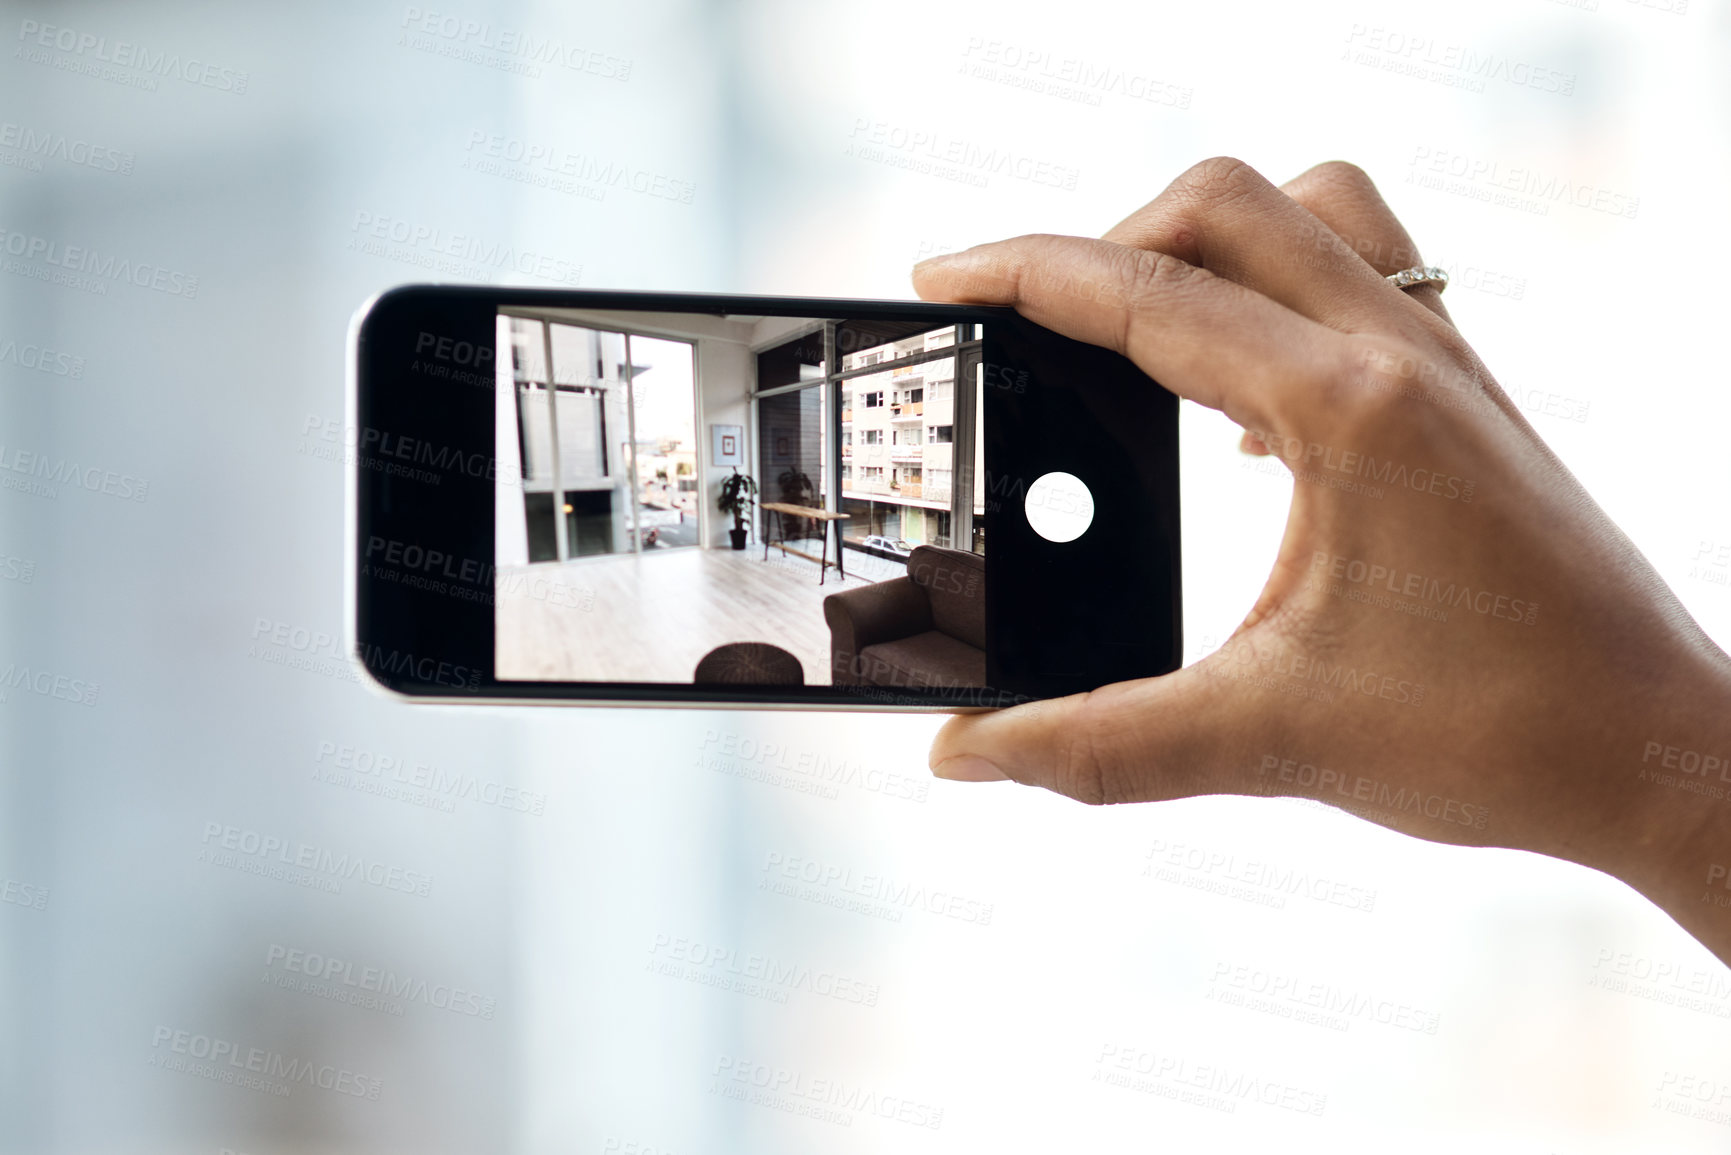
(739,500)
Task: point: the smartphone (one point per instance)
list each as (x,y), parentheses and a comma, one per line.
(693,500)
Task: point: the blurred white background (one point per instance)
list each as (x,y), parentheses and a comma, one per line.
(604,926)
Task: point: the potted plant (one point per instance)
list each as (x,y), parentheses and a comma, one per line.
(738,492)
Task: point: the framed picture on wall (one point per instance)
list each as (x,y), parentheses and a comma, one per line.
(727,445)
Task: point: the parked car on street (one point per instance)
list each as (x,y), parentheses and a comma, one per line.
(896,546)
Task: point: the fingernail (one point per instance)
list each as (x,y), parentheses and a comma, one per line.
(968,768)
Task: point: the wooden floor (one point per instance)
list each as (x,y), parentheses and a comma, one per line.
(652,617)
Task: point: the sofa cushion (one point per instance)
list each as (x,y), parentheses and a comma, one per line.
(955,581)
(933,658)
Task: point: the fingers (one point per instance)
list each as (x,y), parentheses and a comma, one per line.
(1224,216)
(1133,742)
(1158,738)
(1344,198)
(1206,338)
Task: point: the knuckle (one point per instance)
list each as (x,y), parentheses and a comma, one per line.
(1359,220)
(1218,180)
(1148,273)
(1145,277)
(1342,174)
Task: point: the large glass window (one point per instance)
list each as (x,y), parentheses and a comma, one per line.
(664,442)
(893,430)
(792,451)
(607,429)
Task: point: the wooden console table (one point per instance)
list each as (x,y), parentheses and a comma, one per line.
(823,516)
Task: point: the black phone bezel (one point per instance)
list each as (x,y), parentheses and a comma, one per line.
(431,648)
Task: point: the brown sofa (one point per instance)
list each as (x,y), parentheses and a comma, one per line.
(925,629)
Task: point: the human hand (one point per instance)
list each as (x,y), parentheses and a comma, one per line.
(1455,640)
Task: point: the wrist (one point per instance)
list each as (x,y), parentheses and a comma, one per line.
(1674,844)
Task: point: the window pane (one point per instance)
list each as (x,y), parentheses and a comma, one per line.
(534,419)
(589,367)
(582,455)
(587,357)
(538,510)
(857,341)
(528,355)
(790,453)
(897,493)
(663,400)
(978,544)
(533,422)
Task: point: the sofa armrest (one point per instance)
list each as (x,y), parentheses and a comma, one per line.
(881,612)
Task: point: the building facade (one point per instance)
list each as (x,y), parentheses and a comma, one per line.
(898,432)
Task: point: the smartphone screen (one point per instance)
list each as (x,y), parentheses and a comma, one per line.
(759,500)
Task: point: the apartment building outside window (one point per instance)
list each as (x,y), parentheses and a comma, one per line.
(892,390)
(909,496)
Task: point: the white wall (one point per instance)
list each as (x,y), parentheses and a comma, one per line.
(726,375)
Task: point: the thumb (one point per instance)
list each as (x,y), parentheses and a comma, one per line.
(1156,738)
